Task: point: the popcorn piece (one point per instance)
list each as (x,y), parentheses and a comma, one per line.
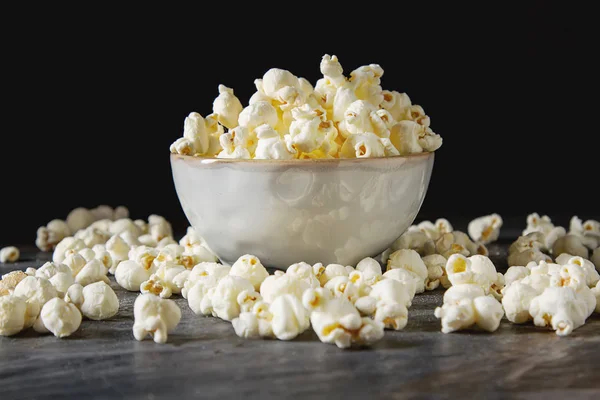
(164,242)
(198,297)
(552,236)
(155,317)
(596,258)
(414,240)
(256,323)
(50,235)
(159,227)
(250,268)
(336,320)
(462,291)
(60,318)
(10,280)
(147,240)
(36,292)
(93,271)
(331,271)
(413,282)
(79,218)
(68,243)
(366,82)
(409,260)
(362,145)
(92,236)
(201,271)
(270,145)
(341,286)
(75,262)
(289,317)
(465,306)
(596,292)
(195,138)
(118,250)
(570,244)
(123,225)
(259,113)
(276,285)
(60,276)
(531,241)
(488,313)
(588,237)
(516,301)
(535,223)
(485,229)
(310,128)
(156,286)
(405,137)
(526,256)
(560,308)
(396,103)
(515,274)
(167,273)
(436,267)
(227,107)
(247,299)
(456,316)
(303,272)
(130,275)
(13,311)
(224,298)
(370,269)
(591,275)
(97,301)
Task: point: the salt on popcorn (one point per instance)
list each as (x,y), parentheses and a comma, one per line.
(342,117)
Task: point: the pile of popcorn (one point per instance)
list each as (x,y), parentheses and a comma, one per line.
(557,287)
(341,117)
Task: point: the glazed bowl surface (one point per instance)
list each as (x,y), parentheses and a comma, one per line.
(283,212)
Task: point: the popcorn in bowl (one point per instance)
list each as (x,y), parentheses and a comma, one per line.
(286,119)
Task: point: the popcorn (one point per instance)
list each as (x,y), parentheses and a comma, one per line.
(201,271)
(159,228)
(93,271)
(79,218)
(393,298)
(50,235)
(516,301)
(250,268)
(59,275)
(342,286)
(362,145)
(336,320)
(331,271)
(588,237)
(302,122)
(256,323)
(276,285)
(413,282)
(13,311)
(560,308)
(68,243)
(596,292)
(166,274)
(155,317)
(289,317)
(570,244)
(596,258)
(92,236)
(247,299)
(411,261)
(270,145)
(485,229)
(96,301)
(462,312)
(224,298)
(477,269)
(303,272)
(415,240)
(36,292)
(9,281)
(227,107)
(515,274)
(130,275)
(156,286)
(526,256)
(535,223)
(436,268)
(591,275)
(60,318)
(371,271)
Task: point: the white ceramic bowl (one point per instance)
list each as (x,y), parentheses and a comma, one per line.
(283,212)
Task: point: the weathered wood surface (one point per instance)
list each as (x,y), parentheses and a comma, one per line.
(205,359)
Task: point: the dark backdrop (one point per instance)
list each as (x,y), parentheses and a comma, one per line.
(93,98)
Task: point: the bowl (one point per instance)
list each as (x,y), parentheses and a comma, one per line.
(329,211)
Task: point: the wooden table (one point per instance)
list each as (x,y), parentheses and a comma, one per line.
(205,359)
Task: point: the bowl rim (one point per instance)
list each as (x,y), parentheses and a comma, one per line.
(310,161)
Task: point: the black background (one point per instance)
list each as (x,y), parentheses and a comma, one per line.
(93,98)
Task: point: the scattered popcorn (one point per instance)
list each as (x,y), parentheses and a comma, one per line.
(587,234)
(227,107)
(93,271)
(559,308)
(337,321)
(415,240)
(485,229)
(60,318)
(526,256)
(570,244)
(464,308)
(155,317)
(75,262)
(289,317)
(202,271)
(535,223)
(59,275)
(79,218)
(130,275)
(118,250)
(224,297)
(156,286)
(250,268)
(96,301)
(9,254)
(276,285)
(436,269)
(413,282)
(36,292)
(50,235)
(68,243)
(596,258)
(13,311)
(410,261)
(331,271)
(516,301)
(371,271)
(256,323)
(10,280)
